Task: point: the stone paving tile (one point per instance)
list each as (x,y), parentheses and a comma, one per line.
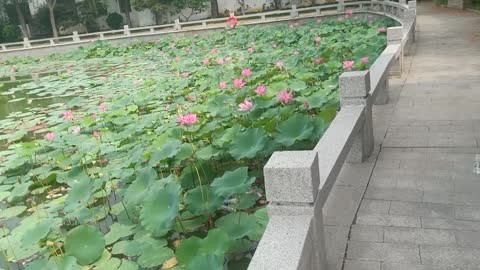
(467,213)
(342,205)
(403,266)
(388,220)
(419,236)
(450,224)
(384,252)
(450,256)
(361,265)
(374,206)
(432,210)
(468,239)
(394,194)
(367,233)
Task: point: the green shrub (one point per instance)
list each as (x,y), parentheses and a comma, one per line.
(11,33)
(115,20)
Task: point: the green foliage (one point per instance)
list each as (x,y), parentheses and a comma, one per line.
(11,33)
(127,186)
(115,20)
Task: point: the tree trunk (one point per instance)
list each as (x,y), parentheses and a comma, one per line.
(127,12)
(214,8)
(21,19)
(52,20)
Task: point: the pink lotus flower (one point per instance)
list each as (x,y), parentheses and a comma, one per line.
(261,90)
(103,78)
(50,136)
(241,58)
(94,116)
(364,60)
(370,16)
(177,58)
(245,106)
(188,119)
(185,74)
(285,97)
(319,60)
(348,64)
(319,20)
(318,39)
(306,105)
(250,50)
(191,98)
(296,52)
(76,130)
(96,134)
(349,12)
(167,107)
(206,61)
(172,46)
(355,18)
(68,115)
(103,107)
(340,19)
(228,59)
(220,62)
(280,64)
(214,50)
(382,30)
(290,26)
(187,50)
(247,72)
(222,85)
(239,83)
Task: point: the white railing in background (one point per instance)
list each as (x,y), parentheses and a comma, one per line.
(298,183)
(388,8)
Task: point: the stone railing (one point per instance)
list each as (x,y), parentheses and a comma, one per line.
(298,183)
(42,47)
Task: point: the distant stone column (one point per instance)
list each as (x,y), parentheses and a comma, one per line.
(126,30)
(294,12)
(26,43)
(341,5)
(457,4)
(354,91)
(177,25)
(76,38)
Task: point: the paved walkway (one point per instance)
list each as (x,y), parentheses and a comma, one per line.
(419,198)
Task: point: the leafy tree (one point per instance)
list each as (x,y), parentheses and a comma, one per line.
(158,7)
(195,7)
(125,8)
(21,18)
(51,6)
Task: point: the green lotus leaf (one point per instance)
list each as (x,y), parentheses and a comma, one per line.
(216,243)
(261,217)
(154,256)
(190,222)
(86,243)
(111,264)
(231,183)
(12,212)
(128,265)
(79,195)
(38,232)
(138,189)
(202,201)
(249,143)
(116,232)
(209,261)
(236,225)
(119,247)
(168,150)
(295,128)
(160,207)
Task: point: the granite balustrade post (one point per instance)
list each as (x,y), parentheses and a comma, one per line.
(292,179)
(354,91)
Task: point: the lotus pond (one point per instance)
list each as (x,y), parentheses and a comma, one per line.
(150,156)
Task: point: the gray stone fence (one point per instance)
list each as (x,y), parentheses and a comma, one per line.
(43,47)
(298,183)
